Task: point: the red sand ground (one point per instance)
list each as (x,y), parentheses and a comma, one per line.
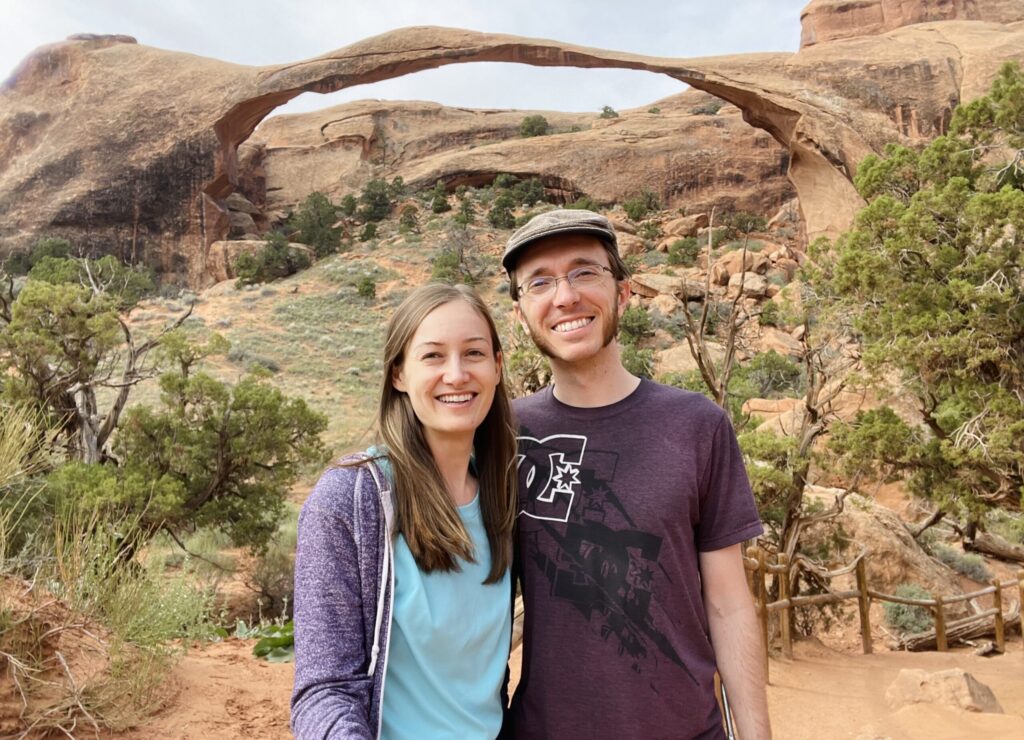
(220,691)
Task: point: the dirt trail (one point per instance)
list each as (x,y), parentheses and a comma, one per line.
(222,693)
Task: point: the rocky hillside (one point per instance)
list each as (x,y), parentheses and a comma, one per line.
(88,152)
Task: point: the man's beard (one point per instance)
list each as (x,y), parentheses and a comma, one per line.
(611,330)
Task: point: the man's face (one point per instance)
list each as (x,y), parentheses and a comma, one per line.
(570,323)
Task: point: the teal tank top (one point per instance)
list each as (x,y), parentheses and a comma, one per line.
(449,645)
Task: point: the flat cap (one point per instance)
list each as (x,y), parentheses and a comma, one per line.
(559,221)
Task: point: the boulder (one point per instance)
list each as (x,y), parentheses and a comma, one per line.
(949,688)
(788,267)
(685,225)
(664,306)
(751,284)
(629,244)
(780,341)
(650,284)
(242,225)
(678,359)
(732,263)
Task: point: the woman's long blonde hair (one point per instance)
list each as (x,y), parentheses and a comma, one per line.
(426,515)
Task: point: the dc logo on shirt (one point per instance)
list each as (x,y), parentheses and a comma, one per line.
(549,473)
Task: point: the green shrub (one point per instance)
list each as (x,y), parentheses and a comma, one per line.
(22,262)
(654,109)
(707,109)
(407,222)
(369,232)
(500,215)
(635,325)
(966,564)
(584,202)
(528,192)
(639,362)
(348,205)
(274,261)
(608,112)
(770,314)
(909,619)
(650,231)
(315,221)
(637,208)
(367,287)
(439,199)
(465,215)
(448,268)
(536,125)
(684,251)
(396,189)
(376,200)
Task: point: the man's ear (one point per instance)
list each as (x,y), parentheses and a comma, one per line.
(517,312)
(624,292)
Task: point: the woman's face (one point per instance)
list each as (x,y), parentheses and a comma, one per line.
(451,371)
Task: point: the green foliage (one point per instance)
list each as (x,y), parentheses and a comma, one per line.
(931,275)
(407,222)
(127,284)
(536,125)
(1006,524)
(909,619)
(369,232)
(637,208)
(315,221)
(966,564)
(526,368)
(396,188)
(707,109)
(348,205)
(741,222)
(22,262)
(448,267)
(277,259)
(639,362)
(439,198)
(367,287)
(500,215)
(684,251)
(770,460)
(608,112)
(772,375)
(654,109)
(635,325)
(465,215)
(771,314)
(213,456)
(276,643)
(650,231)
(375,200)
(584,202)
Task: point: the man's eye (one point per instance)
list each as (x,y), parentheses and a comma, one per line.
(585,273)
(539,283)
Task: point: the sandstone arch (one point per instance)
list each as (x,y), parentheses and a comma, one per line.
(152,184)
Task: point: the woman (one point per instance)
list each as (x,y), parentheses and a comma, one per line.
(402,619)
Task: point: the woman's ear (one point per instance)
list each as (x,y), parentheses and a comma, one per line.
(397,381)
(499,360)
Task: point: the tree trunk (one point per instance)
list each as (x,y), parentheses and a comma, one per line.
(996,546)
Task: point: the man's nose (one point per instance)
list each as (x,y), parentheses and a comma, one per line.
(565,293)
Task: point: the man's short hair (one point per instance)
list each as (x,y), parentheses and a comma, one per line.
(556,223)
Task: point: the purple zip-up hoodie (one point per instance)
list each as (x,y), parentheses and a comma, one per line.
(344,585)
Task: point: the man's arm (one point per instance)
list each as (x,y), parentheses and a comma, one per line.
(736,638)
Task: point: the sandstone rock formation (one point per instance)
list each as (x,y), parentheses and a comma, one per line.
(954,687)
(686,159)
(88,150)
(828,20)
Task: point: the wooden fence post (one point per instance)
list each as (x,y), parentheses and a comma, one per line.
(997,602)
(786,615)
(1020,598)
(763,605)
(864,606)
(940,625)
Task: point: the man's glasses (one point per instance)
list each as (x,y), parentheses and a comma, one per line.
(543,285)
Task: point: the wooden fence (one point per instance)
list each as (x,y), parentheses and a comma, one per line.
(759,569)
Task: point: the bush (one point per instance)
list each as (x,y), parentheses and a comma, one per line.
(639,362)
(650,231)
(528,192)
(966,564)
(608,112)
(708,109)
(770,315)
(655,109)
(369,232)
(637,208)
(21,263)
(407,222)
(439,198)
(448,268)
(274,261)
(584,202)
(376,200)
(367,287)
(684,251)
(534,126)
(909,619)
(465,215)
(314,221)
(635,325)
(500,215)
(348,205)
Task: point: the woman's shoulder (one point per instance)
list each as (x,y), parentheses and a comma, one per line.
(352,482)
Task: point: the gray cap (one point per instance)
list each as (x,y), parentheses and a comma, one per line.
(560,221)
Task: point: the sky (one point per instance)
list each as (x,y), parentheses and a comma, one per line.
(261,32)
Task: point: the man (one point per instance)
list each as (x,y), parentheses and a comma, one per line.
(634,504)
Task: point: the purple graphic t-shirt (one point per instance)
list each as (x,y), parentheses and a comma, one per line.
(616,502)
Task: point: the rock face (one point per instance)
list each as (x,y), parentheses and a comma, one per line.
(829,20)
(686,159)
(89,151)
